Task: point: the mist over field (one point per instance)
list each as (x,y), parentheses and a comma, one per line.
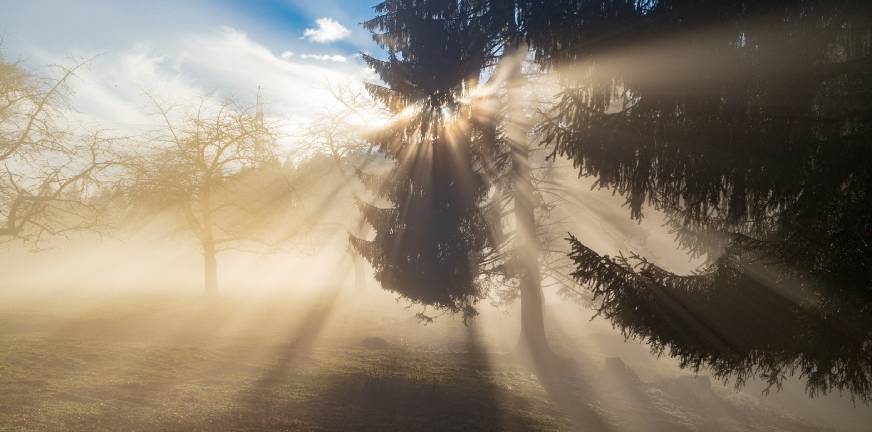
(438,215)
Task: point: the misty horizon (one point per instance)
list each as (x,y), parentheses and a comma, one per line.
(436,215)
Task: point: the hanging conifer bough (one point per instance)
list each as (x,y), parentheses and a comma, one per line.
(749,125)
(431,239)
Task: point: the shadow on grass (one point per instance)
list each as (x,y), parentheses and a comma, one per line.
(393,390)
(593,397)
(610,396)
(289,354)
(568,388)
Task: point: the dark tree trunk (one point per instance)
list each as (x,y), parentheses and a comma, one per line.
(527,255)
(210,269)
(526,245)
(207,240)
(359,273)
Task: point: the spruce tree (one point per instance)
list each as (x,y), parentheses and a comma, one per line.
(748,124)
(431,239)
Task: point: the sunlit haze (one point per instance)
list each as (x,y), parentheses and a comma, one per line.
(435,215)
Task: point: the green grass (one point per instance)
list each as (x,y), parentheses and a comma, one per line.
(116,369)
(74,385)
(322,364)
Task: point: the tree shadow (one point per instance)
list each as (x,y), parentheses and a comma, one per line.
(148,381)
(411,392)
(595,398)
(610,396)
(288,355)
(388,388)
(567,387)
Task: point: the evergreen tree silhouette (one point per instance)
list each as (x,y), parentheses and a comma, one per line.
(748,123)
(432,238)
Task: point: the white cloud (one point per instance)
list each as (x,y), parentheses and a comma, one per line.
(210,66)
(180,57)
(327,30)
(325,57)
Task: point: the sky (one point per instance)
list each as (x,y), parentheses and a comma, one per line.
(184,50)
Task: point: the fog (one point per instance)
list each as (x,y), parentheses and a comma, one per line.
(450,216)
(129,308)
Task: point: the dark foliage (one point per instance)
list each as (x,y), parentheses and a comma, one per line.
(737,317)
(748,123)
(432,239)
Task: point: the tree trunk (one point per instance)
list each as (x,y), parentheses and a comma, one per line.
(207,240)
(359,273)
(210,269)
(526,246)
(527,254)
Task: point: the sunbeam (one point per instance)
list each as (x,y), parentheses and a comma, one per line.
(477,215)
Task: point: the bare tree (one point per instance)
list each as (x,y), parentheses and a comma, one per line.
(339,133)
(49,174)
(194,167)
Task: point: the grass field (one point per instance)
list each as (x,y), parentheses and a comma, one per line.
(332,363)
